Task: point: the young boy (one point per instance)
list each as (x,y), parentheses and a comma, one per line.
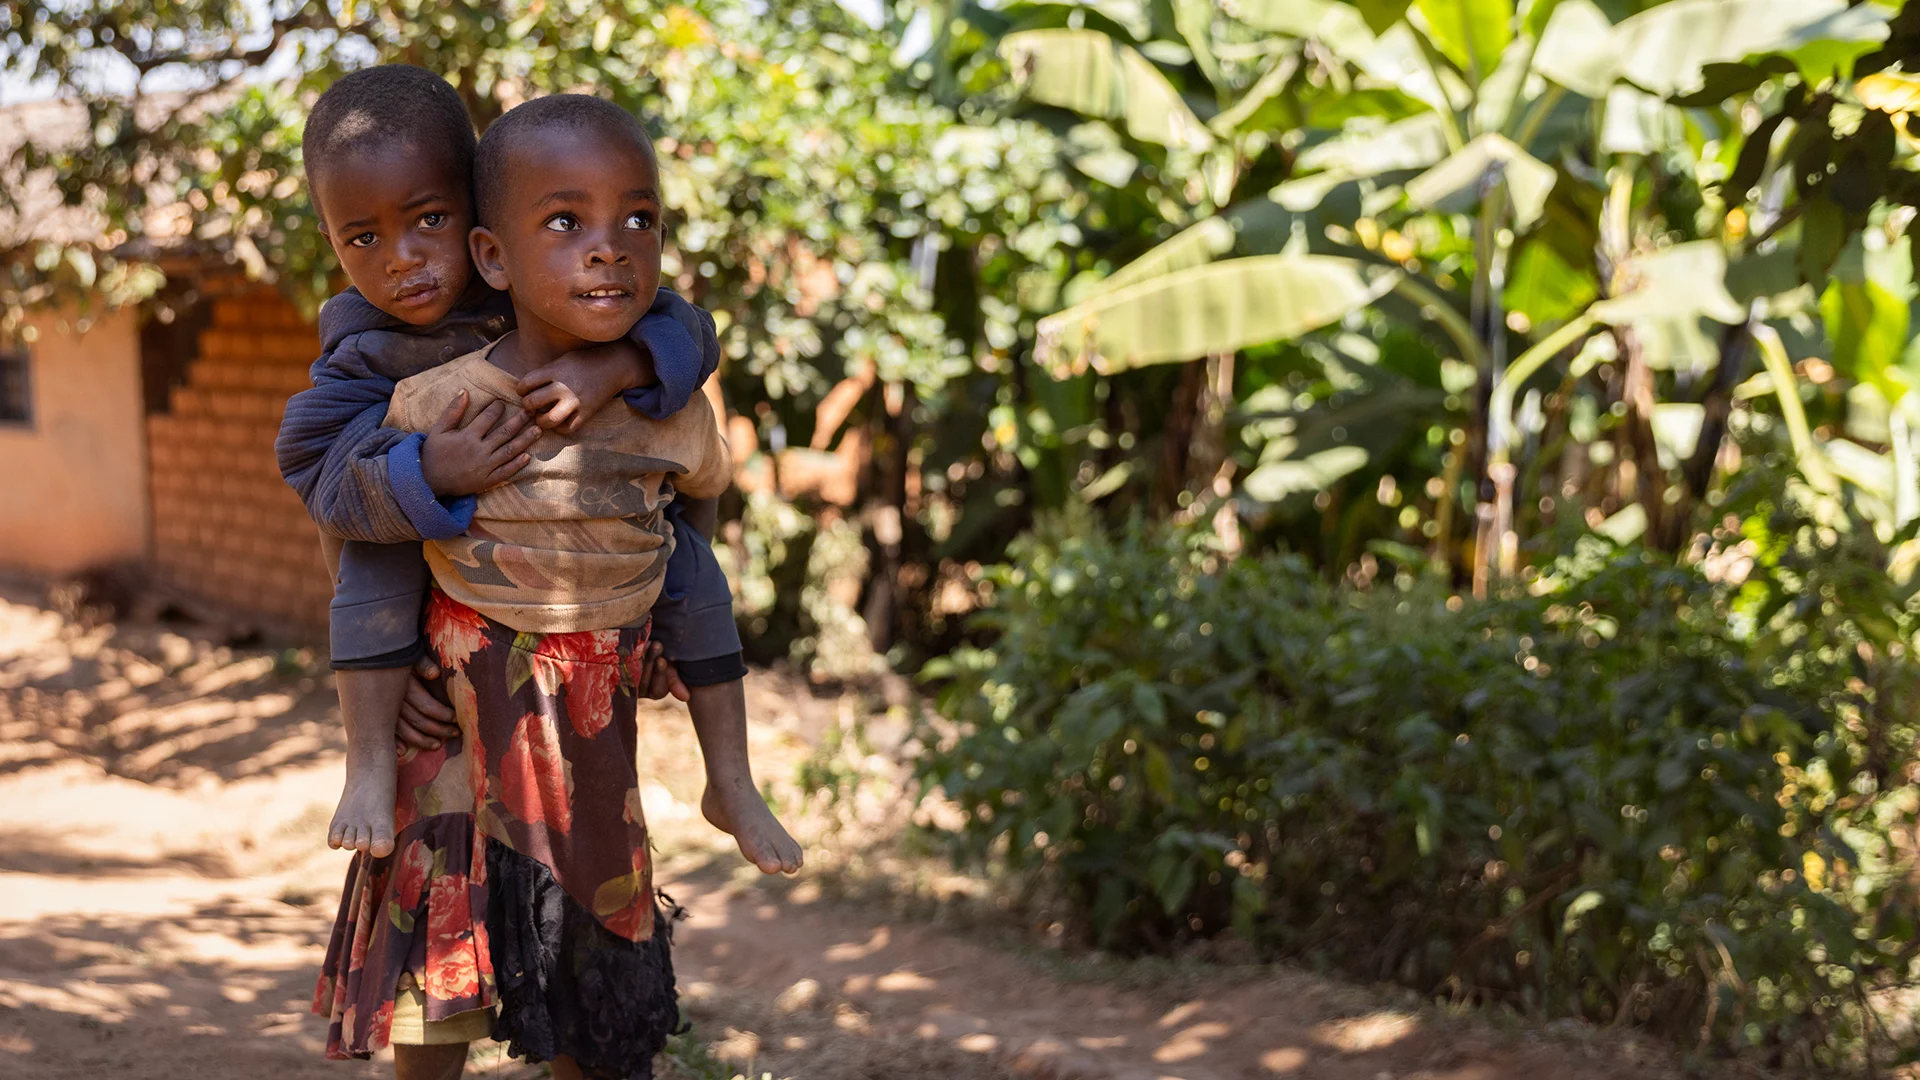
(538,610)
(389,153)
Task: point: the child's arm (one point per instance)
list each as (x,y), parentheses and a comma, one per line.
(662,363)
(713,471)
(364,479)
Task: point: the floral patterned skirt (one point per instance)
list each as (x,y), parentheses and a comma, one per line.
(520,874)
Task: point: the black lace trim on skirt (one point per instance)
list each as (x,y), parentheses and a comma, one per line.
(567,984)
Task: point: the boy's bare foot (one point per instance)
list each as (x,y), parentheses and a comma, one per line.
(738,810)
(364,819)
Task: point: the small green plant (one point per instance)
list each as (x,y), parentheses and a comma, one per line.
(1628,792)
(689,1058)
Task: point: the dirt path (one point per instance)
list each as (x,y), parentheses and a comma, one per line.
(164,900)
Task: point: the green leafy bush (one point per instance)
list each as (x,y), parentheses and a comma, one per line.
(1628,792)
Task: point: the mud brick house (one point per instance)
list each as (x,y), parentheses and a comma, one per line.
(142,437)
(224,527)
(148,442)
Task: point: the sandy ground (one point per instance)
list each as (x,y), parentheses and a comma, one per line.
(165,898)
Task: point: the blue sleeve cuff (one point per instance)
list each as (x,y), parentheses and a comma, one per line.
(436,520)
(676,363)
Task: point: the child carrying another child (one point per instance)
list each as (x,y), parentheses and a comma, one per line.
(520,872)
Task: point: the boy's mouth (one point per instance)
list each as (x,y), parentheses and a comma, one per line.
(605,296)
(417,295)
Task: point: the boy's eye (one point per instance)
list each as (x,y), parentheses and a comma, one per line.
(640,220)
(365,239)
(563,223)
(433,220)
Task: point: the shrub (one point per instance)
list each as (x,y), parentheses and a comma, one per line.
(1627,792)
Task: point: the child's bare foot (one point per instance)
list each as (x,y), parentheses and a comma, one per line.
(364,819)
(738,810)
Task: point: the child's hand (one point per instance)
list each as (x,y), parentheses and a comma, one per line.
(574,387)
(658,678)
(466,459)
(425,723)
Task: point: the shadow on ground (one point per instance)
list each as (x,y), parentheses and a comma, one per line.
(152,702)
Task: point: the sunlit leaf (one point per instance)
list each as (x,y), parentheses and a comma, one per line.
(1545,288)
(1398,60)
(1220,307)
(1273,481)
(1682,281)
(1868,327)
(1339,25)
(1195,246)
(1194,19)
(1458,183)
(1256,97)
(1889,91)
(1092,74)
(1665,49)
(1381,14)
(1676,430)
(1471,33)
(1626,525)
(1786,389)
(1413,143)
(1866,469)
(1637,123)
(1576,49)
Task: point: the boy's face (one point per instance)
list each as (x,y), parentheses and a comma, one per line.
(577,235)
(397,217)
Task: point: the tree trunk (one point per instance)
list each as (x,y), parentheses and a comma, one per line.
(1736,353)
(1636,390)
(1176,439)
(889,516)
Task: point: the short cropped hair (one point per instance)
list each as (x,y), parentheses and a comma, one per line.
(392,103)
(570,111)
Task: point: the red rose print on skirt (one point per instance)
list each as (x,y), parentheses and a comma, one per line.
(455,630)
(587,665)
(533,776)
(381,1031)
(452,968)
(412,868)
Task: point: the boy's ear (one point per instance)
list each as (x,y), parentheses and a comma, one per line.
(326,234)
(485,249)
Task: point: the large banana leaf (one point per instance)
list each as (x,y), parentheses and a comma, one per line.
(1194,20)
(1195,246)
(1092,74)
(1471,33)
(1219,307)
(1685,281)
(1398,58)
(1413,143)
(1664,49)
(1865,309)
(1338,25)
(1275,480)
(1576,49)
(1455,183)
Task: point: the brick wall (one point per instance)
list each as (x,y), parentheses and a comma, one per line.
(226,529)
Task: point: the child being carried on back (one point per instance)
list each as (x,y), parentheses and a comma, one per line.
(389,158)
(520,878)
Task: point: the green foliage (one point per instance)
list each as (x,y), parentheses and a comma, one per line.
(1631,790)
(1536,175)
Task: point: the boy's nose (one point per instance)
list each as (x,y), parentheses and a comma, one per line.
(605,251)
(406,257)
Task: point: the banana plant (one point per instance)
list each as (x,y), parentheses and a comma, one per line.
(1515,179)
